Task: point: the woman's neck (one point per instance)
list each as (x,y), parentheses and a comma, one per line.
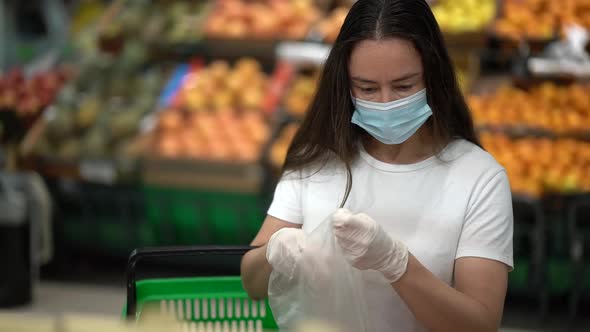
(417,148)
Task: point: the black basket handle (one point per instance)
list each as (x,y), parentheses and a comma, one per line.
(175,251)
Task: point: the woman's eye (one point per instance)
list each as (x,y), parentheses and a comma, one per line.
(368,90)
(404,87)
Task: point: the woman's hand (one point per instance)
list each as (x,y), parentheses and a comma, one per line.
(284,250)
(255,267)
(367,246)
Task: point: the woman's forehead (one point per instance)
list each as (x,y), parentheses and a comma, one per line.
(384,60)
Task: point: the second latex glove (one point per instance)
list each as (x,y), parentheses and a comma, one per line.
(367,246)
(284,250)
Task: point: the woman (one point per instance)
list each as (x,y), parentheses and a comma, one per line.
(389,134)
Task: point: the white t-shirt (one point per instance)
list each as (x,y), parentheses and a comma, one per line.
(457,204)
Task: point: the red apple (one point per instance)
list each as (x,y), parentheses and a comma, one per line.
(15,77)
(50,81)
(66,72)
(8,98)
(46,98)
(28,105)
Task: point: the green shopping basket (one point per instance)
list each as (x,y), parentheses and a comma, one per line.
(202,303)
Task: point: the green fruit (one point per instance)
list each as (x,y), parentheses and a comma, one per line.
(87,113)
(62,125)
(42,148)
(70,150)
(95,143)
(125,124)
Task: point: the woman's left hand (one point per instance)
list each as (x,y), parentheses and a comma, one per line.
(367,246)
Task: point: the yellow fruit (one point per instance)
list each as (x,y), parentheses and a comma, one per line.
(464,15)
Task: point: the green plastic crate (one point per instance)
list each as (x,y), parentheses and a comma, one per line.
(113,236)
(560,276)
(188,217)
(118,218)
(207,303)
(519,279)
(108,218)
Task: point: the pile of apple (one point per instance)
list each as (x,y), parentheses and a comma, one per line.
(219,86)
(558,109)
(329,27)
(459,16)
(540,19)
(262,19)
(536,166)
(279,149)
(300,94)
(228,136)
(28,96)
(218,115)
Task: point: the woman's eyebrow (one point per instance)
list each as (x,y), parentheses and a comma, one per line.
(399,79)
(405,77)
(362,80)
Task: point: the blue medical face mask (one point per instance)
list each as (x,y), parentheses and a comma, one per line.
(393,122)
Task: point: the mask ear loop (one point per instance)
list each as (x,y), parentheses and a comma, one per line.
(353,99)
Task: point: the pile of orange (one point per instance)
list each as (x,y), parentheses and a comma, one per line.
(559,109)
(540,165)
(541,19)
(220,136)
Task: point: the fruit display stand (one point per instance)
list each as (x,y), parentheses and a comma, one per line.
(528,277)
(537,131)
(203,174)
(84,146)
(560,269)
(579,231)
(99,218)
(97,116)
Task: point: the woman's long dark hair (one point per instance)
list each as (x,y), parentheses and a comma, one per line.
(327,131)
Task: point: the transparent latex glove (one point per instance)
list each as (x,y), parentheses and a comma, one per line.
(367,246)
(284,250)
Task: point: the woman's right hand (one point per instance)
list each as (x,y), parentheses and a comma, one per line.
(284,250)
(256,264)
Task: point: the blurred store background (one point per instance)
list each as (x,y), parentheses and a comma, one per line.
(135,123)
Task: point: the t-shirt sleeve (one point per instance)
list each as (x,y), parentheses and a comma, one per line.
(488,225)
(287,204)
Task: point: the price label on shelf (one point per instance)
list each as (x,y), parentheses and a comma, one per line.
(100,171)
(303,52)
(50,113)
